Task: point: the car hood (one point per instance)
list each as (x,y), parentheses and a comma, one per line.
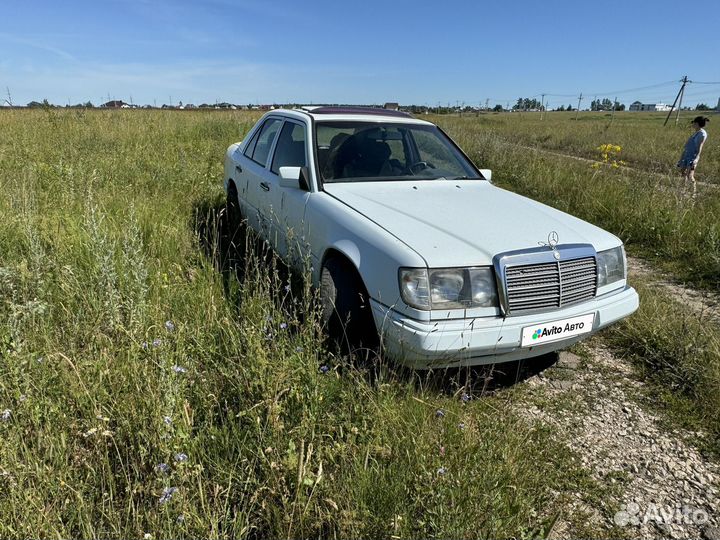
(463,222)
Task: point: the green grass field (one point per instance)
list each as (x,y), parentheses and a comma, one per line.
(645,143)
(143,390)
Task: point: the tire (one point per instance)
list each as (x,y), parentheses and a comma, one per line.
(235,239)
(345,307)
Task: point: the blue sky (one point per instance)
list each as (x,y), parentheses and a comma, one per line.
(255,51)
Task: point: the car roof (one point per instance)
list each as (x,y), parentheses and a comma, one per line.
(375,111)
(360,114)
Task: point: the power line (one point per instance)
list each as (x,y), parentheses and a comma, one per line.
(658,85)
(610,92)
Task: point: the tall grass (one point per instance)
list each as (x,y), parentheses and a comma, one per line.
(646,144)
(144,389)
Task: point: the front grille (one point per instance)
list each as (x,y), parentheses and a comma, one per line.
(551,285)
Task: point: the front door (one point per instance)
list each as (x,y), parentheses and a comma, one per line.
(285,205)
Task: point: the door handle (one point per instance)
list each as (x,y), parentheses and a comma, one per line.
(238,168)
(265,186)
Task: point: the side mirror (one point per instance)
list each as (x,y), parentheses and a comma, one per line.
(294,177)
(487,174)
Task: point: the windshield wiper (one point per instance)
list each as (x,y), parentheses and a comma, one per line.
(465,178)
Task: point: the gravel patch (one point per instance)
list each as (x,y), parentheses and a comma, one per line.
(668,490)
(704,304)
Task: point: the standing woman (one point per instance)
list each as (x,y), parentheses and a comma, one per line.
(691,153)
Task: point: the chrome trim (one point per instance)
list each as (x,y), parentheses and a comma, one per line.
(539,255)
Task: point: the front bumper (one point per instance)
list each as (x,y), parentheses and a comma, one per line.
(487,340)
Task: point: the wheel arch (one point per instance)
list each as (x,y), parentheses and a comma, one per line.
(230,184)
(347,251)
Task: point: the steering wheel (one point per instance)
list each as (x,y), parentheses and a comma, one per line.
(420,166)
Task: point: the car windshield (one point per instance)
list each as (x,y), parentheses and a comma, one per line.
(353,151)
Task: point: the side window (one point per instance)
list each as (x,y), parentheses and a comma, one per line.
(265,140)
(290,148)
(251,144)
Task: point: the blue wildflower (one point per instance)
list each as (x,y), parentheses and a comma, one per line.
(5,415)
(299,349)
(440,413)
(144,345)
(163,468)
(461,425)
(465,397)
(156,342)
(283,326)
(169,326)
(167,420)
(180,519)
(181,457)
(167,494)
(441,471)
(324,369)
(179,369)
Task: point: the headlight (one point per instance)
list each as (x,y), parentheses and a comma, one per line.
(448,288)
(611,266)
(414,287)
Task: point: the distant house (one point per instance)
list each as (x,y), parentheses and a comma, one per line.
(392,106)
(638,106)
(116,104)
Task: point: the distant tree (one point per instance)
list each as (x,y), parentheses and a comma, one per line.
(88,105)
(601,105)
(498,108)
(525,104)
(702,107)
(569,108)
(619,106)
(561,108)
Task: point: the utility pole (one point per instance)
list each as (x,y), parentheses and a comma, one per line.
(578,109)
(542,106)
(487,104)
(9,99)
(612,114)
(680,93)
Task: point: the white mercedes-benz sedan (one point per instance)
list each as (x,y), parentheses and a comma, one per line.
(412,247)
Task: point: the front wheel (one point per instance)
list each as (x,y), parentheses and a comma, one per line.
(346,313)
